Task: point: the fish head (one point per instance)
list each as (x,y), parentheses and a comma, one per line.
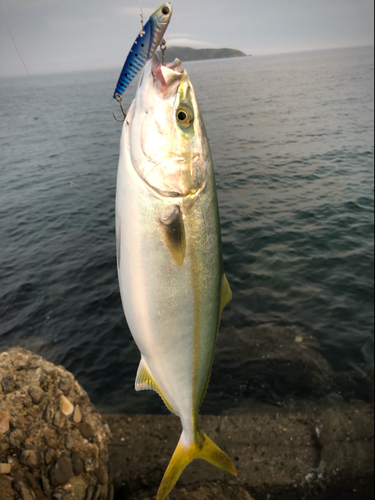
(163,15)
(166,136)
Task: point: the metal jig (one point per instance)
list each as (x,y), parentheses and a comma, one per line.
(119,100)
(163,48)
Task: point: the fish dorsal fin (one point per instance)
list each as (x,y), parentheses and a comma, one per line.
(145,382)
(225,294)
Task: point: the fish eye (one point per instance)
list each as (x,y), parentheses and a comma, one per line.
(184,116)
(165,10)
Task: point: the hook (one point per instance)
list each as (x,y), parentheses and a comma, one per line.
(119,100)
(163,47)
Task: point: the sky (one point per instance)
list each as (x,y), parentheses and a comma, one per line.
(68,35)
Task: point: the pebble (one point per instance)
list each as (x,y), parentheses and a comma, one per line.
(61,471)
(86,430)
(15,438)
(5,468)
(57,496)
(79,488)
(37,490)
(29,458)
(23,490)
(46,486)
(77,416)
(101,473)
(66,406)
(51,438)
(7,383)
(4,422)
(59,419)
(90,492)
(65,385)
(49,455)
(69,442)
(48,414)
(36,393)
(77,463)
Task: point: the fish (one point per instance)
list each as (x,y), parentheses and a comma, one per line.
(169,256)
(148,40)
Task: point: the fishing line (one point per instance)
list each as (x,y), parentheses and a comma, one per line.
(35,89)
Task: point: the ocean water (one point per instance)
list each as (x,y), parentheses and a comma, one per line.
(292,138)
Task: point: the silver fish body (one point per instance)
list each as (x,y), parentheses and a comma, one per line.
(170,265)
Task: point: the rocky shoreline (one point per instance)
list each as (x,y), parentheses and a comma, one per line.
(55,445)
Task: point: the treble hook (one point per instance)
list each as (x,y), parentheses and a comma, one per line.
(163,47)
(119,100)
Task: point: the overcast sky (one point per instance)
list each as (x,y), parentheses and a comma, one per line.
(68,35)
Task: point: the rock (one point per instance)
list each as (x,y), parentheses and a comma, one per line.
(37,438)
(46,486)
(86,430)
(61,471)
(59,419)
(66,406)
(29,458)
(21,488)
(7,492)
(90,492)
(77,463)
(51,438)
(48,414)
(16,438)
(5,468)
(7,383)
(102,473)
(65,385)
(79,488)
(49,455)
(69,443)
(4,422)
(77,416)
(36,393)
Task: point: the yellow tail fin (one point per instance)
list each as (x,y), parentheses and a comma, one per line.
(202,448)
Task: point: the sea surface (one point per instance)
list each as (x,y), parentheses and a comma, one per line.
(292,138)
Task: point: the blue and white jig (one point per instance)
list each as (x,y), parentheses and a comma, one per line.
(144,47)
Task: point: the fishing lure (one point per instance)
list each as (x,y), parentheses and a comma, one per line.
(144,47)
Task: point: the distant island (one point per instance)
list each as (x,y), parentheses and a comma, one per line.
(189,54)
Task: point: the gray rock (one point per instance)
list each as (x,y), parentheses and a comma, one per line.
(36,393)
(49,455)
(16,438)
(77,463)
(65,385)
(29,458)
(61,471)
(7,383)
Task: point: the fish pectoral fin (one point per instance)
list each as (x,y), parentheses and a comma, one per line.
(203,448)
(146,382)
(225,294)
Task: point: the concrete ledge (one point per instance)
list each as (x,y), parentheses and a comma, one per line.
(328,452)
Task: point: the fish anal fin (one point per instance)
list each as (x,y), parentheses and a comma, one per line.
(145,382)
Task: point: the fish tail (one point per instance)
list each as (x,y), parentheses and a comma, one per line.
(203,448)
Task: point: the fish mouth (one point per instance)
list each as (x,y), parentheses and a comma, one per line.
(167,78)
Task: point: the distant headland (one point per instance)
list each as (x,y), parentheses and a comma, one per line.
(190,54)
